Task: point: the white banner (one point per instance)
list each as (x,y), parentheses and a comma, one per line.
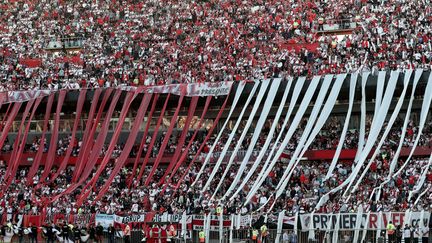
(349,220)
(193,89)
(105,220)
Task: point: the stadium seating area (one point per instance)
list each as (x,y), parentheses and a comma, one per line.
(162,42)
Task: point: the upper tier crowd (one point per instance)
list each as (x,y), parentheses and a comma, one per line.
(133,42)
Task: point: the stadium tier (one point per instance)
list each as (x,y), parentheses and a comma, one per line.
(332,145)
(215,121)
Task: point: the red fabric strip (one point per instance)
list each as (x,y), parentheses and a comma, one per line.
(153,139)
(210,132)
(15,146)
(88,139)
(186,152)
(143,139)
(167,138)
(54,137)
(128,146)
(89,186)
(80,103)
(95,150)
(16,160)
(181,141)
(9,122)
(35,166)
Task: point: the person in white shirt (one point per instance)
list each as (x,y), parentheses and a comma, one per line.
(407,234)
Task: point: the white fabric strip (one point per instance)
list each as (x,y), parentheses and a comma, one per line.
(336,229)
(261,93)
(231,228)
(379,91)
(390,123)
(311,233)
(353,83)
(230,138)
(295,122)
(420,182)
(207,227)
(295,95)
(265,146)
(184,226)
(362,131)
(325,113)
(423,115)
(279,226)
(422,194)
(239,91)
(375,130)
(221,227)
(364,232)
(256,134)
(358,223)
(403,132)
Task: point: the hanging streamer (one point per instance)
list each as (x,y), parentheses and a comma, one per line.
(258,100)
(279,226)
(19,151)
(36,162)
(128,146)
(95,150)
(234,132)
(203,144)
(143,139)
(80,104)
(239,91)
(423,115)
(325,113)
(375,130)
(15,146)
(192,139)
(294,124)
(362,132)
(54,137)
(130,96)
(256,134)
(181,141)
(388,127)
(166,139)
(422,179)
(264,147)
(88,135)
(153,139)
(353,83)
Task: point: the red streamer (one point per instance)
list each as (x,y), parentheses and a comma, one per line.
(154,137)
(54,137)
(16,160)
(166,139)
(186,152)
(128,146)
(38,157)
(143,139)
(91,125)
(9,122)
(95,151)
(80,103)
(15,146)
(181,141)
(210,132)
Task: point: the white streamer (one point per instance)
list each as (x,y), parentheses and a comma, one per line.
(279,225)
(420,183)
(403,132)
(239,91)
(230,138)
(362,117)
(258,100)
(387,130)
(264,148)
(256,134)
(299,114)
(423,115)
(345,128)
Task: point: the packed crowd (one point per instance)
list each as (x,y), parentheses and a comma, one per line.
(307,185)
(161,42)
